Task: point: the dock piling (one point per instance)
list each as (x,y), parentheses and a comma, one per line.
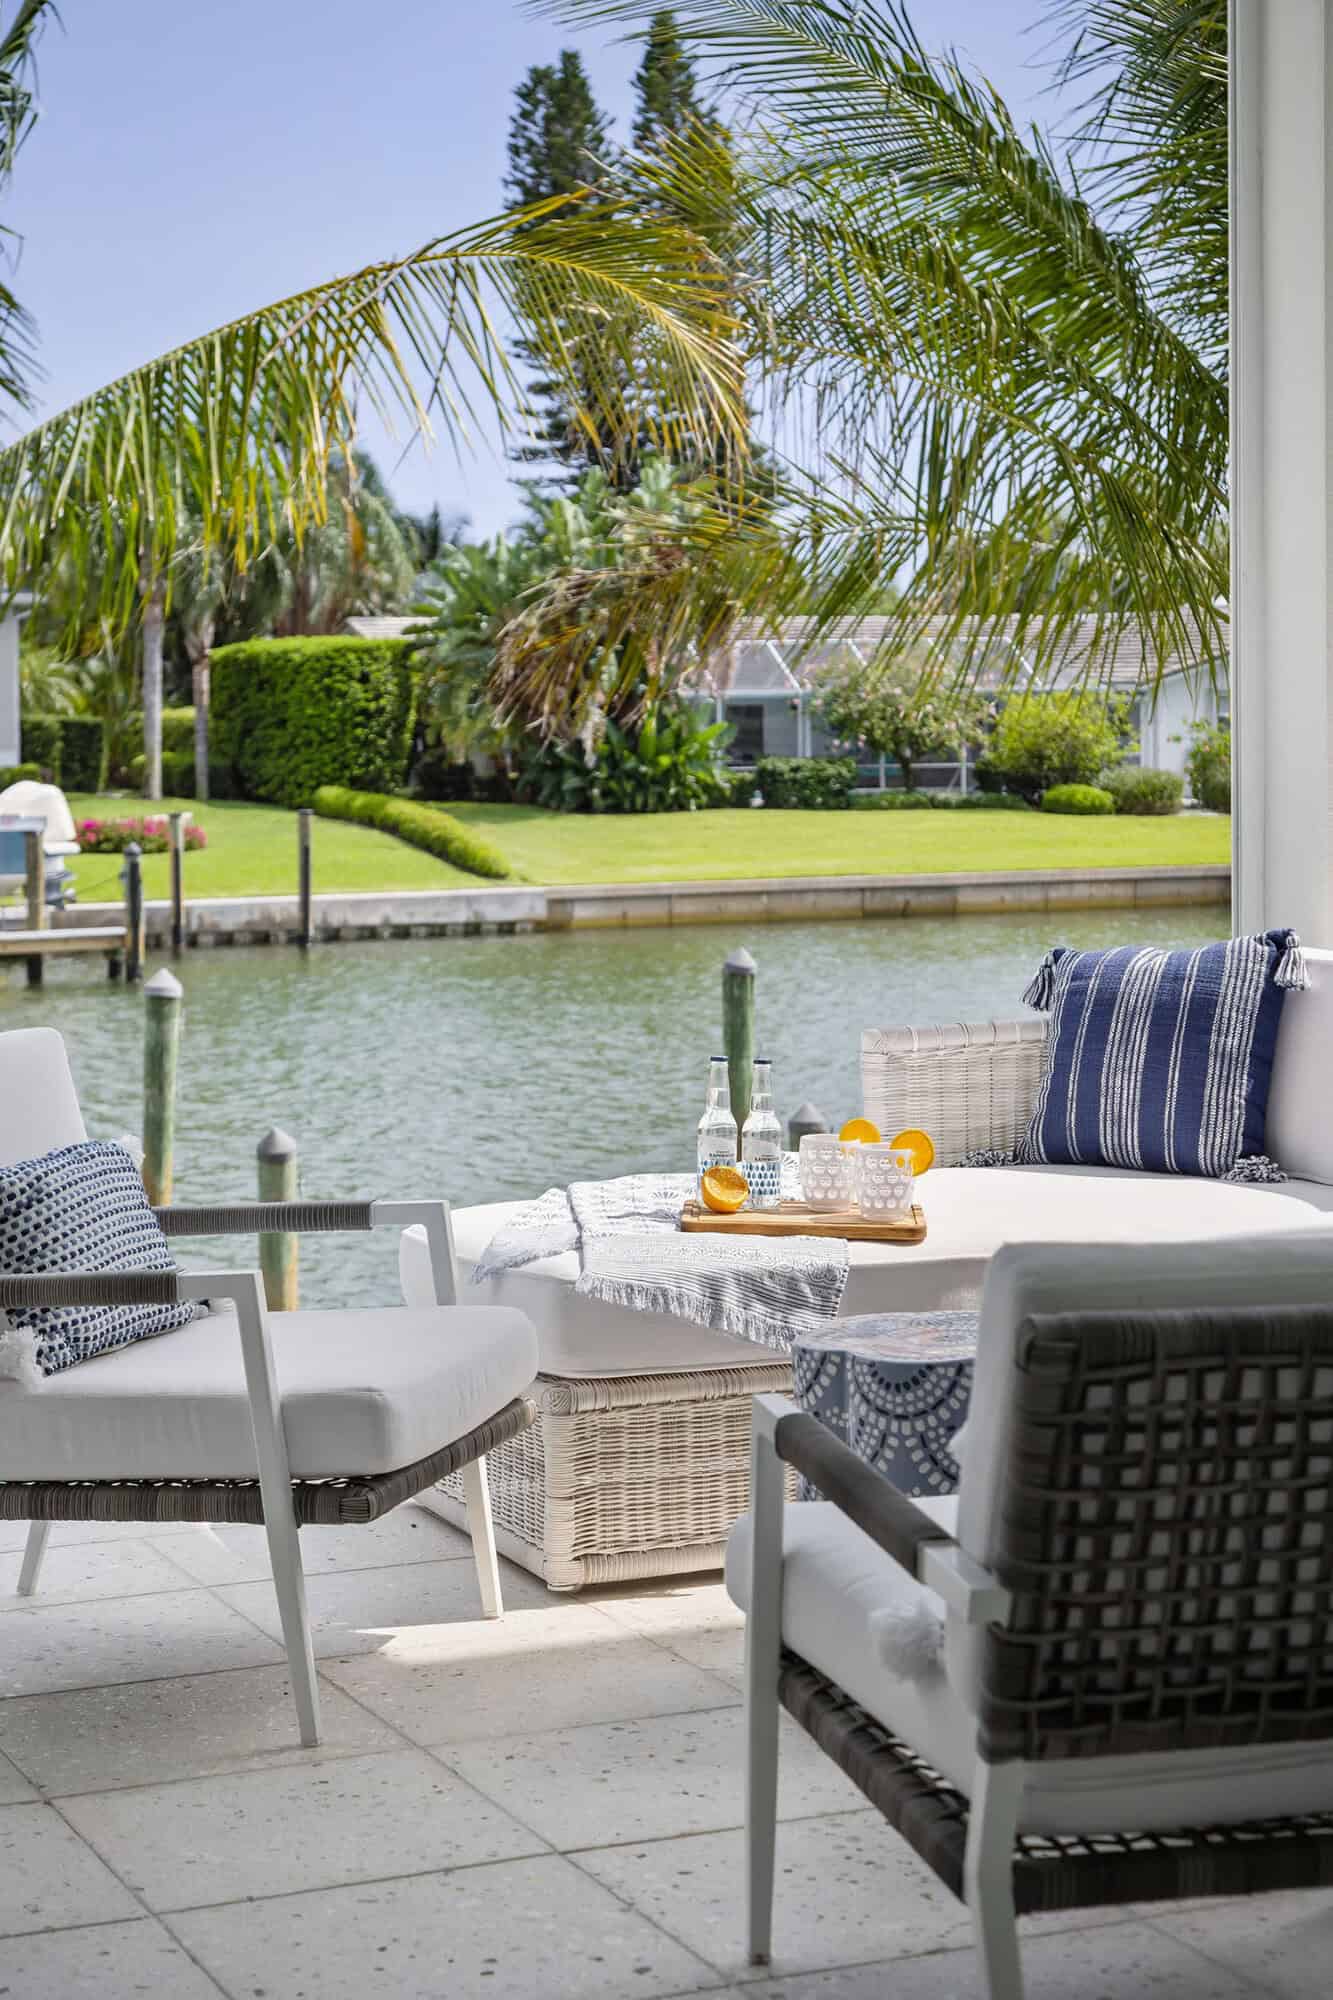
(738,1029)
(303,819)
(161,1049)
(134,915)
(279,1250)
(809,1118)
(178,820)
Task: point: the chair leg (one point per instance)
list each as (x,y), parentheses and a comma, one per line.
(284,1547)
(477,1494)
(988,1875)
(763,1650)
(39,1534)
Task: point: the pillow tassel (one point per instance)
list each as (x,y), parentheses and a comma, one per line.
(18,1356)
(1040,993)
(1291,970)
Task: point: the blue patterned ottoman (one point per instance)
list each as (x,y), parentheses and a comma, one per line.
(895,1387)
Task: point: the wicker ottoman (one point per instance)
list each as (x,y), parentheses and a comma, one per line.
(625,1476)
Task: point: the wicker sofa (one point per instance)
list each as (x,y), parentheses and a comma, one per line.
(639,1462)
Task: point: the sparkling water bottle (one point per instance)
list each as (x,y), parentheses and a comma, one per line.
(717,1127)
(761,1141)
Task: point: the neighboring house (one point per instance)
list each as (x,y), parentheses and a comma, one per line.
(766,685)
(11,744)
(376,627)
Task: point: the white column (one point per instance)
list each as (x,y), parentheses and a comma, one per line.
(1281,465)
(9,690)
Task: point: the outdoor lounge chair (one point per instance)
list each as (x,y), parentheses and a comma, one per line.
(1104,1673)
(311,1417)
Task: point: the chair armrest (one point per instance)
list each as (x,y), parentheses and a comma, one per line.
(892,1519)
(301,1218)
(34,1290)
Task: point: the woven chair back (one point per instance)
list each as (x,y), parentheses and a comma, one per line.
(1166,1528)
(970,1085)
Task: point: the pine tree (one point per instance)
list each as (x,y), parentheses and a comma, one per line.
(559,142)
(664,86)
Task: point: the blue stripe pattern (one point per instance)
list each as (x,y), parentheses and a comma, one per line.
(1160,1060)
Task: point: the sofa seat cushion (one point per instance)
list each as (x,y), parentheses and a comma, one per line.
(362,1392)
(835,1581)
(970,1212)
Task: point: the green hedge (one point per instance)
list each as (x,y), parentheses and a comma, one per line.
(939,802)
(291,715)
(807,783)
(71,747)
(420,825)
(178,731)
(1139,789)
(177,773)
(1088,799)
(10,774)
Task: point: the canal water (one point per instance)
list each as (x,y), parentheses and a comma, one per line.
(481,1068)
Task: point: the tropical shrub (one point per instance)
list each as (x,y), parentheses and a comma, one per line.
(177,774)
(1045,740)
(667,764)
(1144,791)
(1088,799)
(939,802)
(82,753)
(178,730)
(10,774)
(1208,765)
(153,836)
(818,784)
(419,825)
(291,715)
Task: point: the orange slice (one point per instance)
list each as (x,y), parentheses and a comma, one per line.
(862,1129)
(724,1190)
(920,1145)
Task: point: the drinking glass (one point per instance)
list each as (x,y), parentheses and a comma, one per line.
(885,1181)
(828,1179)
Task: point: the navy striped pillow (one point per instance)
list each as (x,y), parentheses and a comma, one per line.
(1160,1059)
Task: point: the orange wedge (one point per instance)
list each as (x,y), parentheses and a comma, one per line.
(920,1145)
(724,1190)
(862,1129)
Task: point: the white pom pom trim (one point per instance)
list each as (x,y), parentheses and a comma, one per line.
(909,1639)
(18,1357)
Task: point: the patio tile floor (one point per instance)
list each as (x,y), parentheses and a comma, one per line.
(545,1807)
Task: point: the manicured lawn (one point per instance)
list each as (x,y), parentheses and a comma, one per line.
(713,846)
(252,851)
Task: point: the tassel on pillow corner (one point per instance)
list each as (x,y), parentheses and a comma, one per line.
(909,1639)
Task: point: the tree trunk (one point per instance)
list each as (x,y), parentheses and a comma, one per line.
(152,619)
(201,678)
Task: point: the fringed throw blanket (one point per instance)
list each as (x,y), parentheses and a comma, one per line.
(632,1252)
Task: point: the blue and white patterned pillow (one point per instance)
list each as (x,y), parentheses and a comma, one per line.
(82,1208)
(1160,1059)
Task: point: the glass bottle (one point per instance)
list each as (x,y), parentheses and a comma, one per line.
(717,1127)
(761,1141)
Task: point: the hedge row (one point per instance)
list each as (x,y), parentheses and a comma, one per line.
(424,826)
(290,716)
(10,774)
(818,783)
(939,802)
(71,747)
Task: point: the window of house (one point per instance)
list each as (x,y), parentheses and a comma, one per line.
(747,719)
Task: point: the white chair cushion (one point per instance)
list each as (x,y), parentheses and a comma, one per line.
(39,1110)
(970,1212)
(362,1392)
(835,1581)
(1299,1131)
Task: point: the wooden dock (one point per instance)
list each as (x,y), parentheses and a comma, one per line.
(35,947)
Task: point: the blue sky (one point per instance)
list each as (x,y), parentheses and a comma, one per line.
(196,158)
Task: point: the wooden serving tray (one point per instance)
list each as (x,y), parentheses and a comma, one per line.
(793,1218)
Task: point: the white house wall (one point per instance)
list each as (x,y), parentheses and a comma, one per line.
(9,691)
(1165,726)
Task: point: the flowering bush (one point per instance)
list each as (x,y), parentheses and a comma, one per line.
(113,836)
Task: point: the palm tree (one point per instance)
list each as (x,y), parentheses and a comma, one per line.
(1009,347)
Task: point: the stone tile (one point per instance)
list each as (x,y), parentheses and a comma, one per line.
(13,1534)
(313,1826)
(644,1780)
(128,1639)
(49,1878)
(363,1610)
(1283,1943)
(565,1667)
(1124,1961)
(14,1787)
(848,1890)
(698,1621)
(85,1570)
(103,1962)
(514,1931)
(92,1739)
(240,1554)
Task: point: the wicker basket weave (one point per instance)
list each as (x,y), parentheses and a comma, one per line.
(625,1476)
(968,1085)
